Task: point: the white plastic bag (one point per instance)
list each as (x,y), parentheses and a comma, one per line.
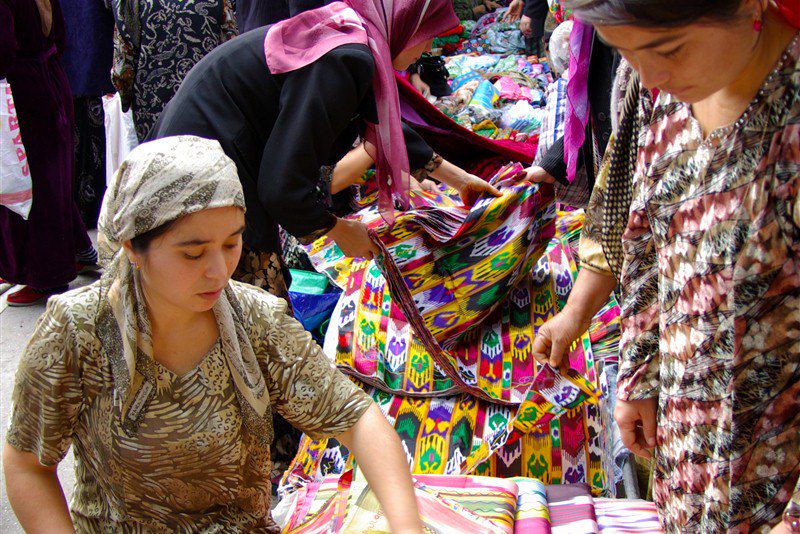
(16,188)
(120,134)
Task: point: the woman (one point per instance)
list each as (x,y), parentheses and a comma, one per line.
(156,43)
(710,355)
(164,373)
(46,251)
(286,100)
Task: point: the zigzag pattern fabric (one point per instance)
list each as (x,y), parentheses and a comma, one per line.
(470,400)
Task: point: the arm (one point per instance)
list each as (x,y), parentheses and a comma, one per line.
(379,454)
(123,69)
(46,402)
(229,28)
(35,493)
(316,104)
(555,337)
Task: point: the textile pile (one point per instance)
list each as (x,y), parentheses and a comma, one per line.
(438,331)
(475,504)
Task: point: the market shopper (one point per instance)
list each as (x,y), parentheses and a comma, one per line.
(164,374)
(709,262)
(288,100)
(44,252)
(155,46)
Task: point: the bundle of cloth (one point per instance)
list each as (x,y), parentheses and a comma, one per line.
(438,330)
(501,97)
(475,504)
(491,34)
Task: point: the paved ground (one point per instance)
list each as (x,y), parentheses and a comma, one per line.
(16,326)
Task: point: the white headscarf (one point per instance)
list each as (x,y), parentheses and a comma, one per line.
(160,182)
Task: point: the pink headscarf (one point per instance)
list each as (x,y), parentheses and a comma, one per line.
(577,116)
(388,27)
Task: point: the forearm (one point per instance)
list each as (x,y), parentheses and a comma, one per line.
(380,456)
(588,295)
(449,174)
(35,495)
(350,169)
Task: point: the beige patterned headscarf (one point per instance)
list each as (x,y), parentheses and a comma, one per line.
(162,181)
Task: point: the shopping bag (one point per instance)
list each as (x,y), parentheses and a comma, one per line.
(120,134)
(16,188)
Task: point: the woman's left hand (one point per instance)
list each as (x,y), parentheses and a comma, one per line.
(781,528)
(423,88)
(471,188)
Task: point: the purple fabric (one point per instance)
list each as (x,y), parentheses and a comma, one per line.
(40,251)
(580,51)
(388,27)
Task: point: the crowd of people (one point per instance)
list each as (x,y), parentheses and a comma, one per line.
(675,124)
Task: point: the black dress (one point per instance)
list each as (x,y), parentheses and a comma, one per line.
(280,129)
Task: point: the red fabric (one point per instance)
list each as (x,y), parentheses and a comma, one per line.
(457,144)
(790,10)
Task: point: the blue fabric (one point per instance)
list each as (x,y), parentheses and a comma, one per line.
(89,50)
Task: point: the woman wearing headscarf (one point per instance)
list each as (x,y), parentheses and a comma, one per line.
(164,373)
(288,100)
(699,216)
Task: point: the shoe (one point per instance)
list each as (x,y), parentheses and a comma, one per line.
(27,296)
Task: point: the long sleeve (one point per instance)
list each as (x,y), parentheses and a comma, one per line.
(123,69)
(316,105)
(639,346)
(553,161)
(463,9)
(419,153)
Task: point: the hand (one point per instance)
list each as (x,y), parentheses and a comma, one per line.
(538,175)
(491,5)
(781,528)
(422,87)
(555,337)
(514,11)
(471,188)
(428,185)
(525,26)
(353,239)
(479,9)
(637,425)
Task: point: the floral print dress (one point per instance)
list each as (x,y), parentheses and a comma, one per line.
(711,307)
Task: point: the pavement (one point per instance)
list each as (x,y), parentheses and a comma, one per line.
(16,326)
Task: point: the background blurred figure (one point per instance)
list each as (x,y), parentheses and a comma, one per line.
(155,46)
(44,252)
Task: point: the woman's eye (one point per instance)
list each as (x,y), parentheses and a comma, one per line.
(231,247)
(671,53)
(191,257)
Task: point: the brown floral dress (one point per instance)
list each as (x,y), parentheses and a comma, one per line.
(192,465)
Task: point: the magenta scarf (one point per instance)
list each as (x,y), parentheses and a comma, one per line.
(387,27)
(577,116)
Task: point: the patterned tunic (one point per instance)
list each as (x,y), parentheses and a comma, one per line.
(173,36)
(711,307)
(192,466)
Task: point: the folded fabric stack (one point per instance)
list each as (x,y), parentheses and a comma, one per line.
(474,504)
(438,331)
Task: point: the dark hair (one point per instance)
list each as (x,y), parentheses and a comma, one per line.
(141,243)
(653,13)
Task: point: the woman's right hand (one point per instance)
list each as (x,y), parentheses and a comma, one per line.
(555,337)
(353,239)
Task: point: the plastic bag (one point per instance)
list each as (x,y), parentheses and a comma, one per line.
(16,188)
(522,117)
(120,134)
(484,96)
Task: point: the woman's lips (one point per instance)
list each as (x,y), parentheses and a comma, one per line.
(211,295)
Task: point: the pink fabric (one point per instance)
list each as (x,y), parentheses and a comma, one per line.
(388,27)
(580,50)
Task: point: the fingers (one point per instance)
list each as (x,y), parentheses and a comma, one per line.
(492,190)
(649,425)
(541,346)
(628,433)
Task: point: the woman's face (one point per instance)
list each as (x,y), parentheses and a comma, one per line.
(188,267)
(409,56)
(690,62)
